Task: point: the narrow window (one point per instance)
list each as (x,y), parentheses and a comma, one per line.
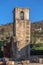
(22,15)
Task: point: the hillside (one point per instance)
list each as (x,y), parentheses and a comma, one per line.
(9,27)
(37,25)
(6,30)
(37,32)
(36,29)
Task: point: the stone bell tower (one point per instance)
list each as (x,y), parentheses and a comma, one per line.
(21,30)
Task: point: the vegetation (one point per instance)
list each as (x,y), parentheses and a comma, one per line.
(36,49)
(38,46)
(2,43)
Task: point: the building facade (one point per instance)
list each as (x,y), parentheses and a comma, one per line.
(21,30)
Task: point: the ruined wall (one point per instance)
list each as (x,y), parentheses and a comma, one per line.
(22,31)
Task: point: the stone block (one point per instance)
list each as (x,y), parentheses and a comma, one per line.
(40,60)
(25,62)
(10,63)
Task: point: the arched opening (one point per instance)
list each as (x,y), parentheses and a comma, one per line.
(22,15)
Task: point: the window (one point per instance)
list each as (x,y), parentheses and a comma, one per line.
(22,15)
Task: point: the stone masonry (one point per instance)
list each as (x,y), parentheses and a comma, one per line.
(21,30)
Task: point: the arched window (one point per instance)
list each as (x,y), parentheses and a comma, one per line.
(21,15)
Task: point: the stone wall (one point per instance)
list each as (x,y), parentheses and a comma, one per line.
(17,63)
(21,29)
(23,63)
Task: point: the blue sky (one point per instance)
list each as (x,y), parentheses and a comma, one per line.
(7,6)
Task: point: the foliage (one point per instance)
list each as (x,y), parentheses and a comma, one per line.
(36,46)
(36,49)
(2,43)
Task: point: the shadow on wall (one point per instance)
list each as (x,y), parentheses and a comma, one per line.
(25,53)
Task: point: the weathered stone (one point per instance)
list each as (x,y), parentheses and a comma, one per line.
(10,63)
(21,30)
(26,62)
(40,60)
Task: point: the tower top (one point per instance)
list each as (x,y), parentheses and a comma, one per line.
(20,8)
(21,13)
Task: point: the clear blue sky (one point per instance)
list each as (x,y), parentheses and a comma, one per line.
(7,6)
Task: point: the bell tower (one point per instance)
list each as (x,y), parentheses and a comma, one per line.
(21,30)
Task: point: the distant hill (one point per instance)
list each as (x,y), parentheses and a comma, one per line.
(7,27)
(37,32)
(36,26)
